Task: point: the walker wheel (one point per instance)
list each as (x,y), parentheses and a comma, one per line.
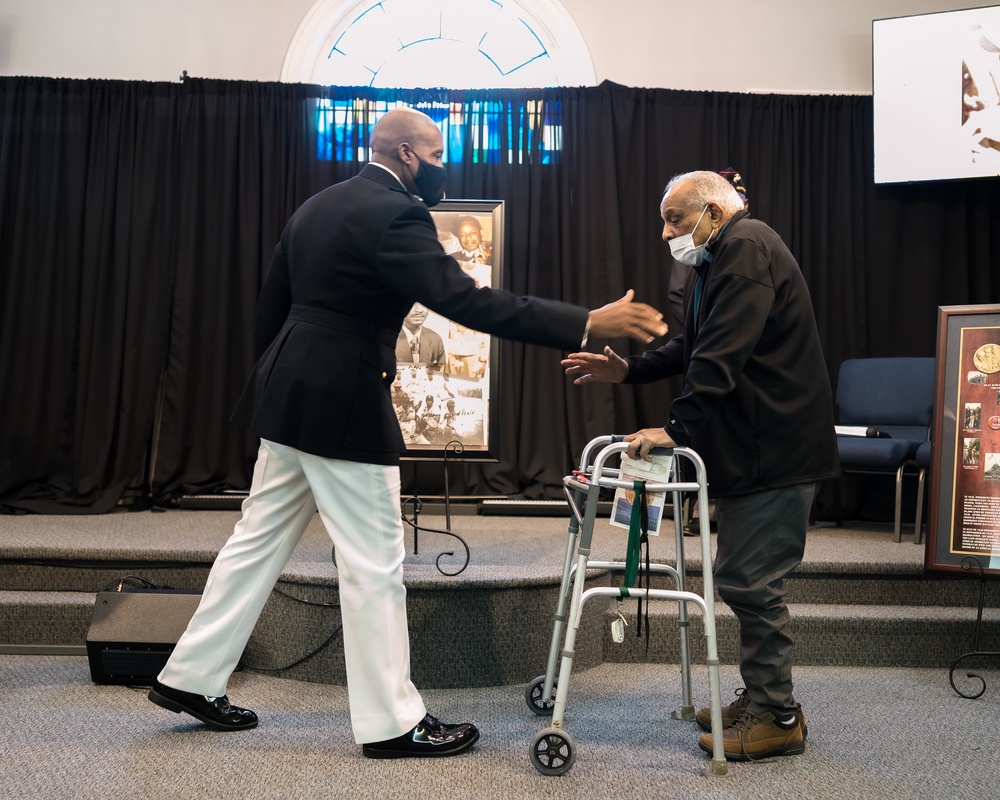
(533,696)
(552,752)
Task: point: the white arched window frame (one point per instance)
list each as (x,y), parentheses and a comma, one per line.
(457,44)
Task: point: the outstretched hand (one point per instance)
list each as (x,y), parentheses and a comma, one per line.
(607,367)
(624,317)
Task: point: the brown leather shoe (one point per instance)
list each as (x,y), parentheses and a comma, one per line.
(429,738)
(752,737)
(730,712)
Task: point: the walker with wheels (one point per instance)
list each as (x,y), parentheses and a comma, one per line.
(553,750)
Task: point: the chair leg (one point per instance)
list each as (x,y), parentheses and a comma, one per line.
(899,504)
(839,508)
(918,522)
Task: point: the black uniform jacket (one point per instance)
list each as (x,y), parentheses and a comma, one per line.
(756,402)
(350,263)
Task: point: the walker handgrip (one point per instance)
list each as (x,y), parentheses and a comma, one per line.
(656,451)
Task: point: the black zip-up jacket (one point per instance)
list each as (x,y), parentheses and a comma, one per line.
(756,402)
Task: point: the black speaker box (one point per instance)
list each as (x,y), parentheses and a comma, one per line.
(132,633)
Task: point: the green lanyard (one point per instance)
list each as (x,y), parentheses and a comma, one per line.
(637,537)
(637,526)
(696,303)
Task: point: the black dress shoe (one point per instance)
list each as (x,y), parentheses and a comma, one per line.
(213,711)
(427,739)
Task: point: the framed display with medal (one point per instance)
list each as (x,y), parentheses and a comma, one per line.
(964,508)
(447,375)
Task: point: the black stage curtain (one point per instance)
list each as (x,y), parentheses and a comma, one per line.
(87,253)
(136,221)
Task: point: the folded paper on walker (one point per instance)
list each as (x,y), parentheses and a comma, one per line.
(656,471)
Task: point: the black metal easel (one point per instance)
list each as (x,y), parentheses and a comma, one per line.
(414,503)
(967,563)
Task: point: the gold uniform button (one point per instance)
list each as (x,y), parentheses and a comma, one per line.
(384,374)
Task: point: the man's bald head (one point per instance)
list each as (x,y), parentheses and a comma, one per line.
(402,139)
(402,125)
(695,190)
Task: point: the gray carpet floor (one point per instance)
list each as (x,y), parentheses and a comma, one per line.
(889,733)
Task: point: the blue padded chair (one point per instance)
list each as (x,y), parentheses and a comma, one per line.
(893,397)
(923,459)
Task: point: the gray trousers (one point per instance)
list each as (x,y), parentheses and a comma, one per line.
(762,538)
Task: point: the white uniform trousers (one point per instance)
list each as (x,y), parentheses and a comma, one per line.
(359,506)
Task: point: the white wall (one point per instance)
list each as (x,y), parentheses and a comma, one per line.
(811,46)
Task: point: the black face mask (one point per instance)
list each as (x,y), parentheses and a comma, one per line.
(430,181)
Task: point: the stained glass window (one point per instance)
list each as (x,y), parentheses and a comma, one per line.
(455,44)
(495,132)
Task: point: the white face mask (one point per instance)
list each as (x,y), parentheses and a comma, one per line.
(683,247)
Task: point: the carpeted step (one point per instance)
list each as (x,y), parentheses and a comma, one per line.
(825,635)
(858,599)
(45,618)
(895,585)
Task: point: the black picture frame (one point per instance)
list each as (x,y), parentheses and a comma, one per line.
(447,399)
(964,508)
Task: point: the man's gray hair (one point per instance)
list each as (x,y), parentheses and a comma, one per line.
(707,187)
